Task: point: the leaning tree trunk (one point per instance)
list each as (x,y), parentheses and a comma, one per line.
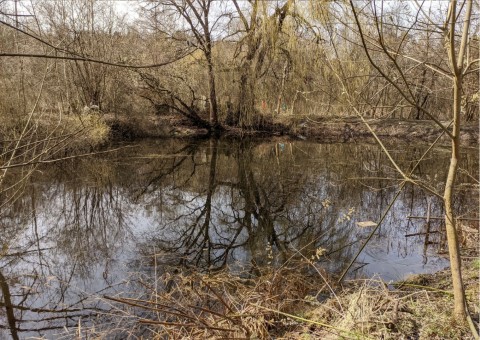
(456,64)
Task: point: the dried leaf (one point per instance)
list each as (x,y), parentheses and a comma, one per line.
(366,224)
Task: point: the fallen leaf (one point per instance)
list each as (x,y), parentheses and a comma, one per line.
(366,224)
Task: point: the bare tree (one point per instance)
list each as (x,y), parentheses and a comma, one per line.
(455,32)
(196,16)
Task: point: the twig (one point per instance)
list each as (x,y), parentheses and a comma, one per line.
(179,324)
(443,217)
(422,233)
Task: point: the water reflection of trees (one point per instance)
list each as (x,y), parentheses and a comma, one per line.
(244,199)
(63,234)
(234,202)
(204,204)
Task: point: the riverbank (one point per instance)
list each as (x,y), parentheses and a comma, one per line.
(327,129)
(46,137)
(301,301)
(418,308)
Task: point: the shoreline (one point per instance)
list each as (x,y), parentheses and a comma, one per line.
(324,130)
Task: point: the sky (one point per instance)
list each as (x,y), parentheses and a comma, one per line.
(127,7)
(122,6)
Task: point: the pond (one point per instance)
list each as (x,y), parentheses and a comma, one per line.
(89,227)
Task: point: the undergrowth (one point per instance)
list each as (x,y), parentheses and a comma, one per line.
(297,301)
(51,133)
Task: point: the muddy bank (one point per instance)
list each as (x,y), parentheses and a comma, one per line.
(408,130)
(320,129)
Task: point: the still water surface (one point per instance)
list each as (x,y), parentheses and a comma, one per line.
(88,227)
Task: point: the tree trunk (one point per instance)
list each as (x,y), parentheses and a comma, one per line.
(456,64)
(282,88)
(246,99)
(8,307)
(450,223)
(212,94)
(214,125)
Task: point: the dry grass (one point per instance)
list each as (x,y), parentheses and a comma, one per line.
(56,131)
(86,130)
(419,308)
(221,305)
(188,304)
(289,303)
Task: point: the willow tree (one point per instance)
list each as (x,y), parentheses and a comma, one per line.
(261,26)
(455,31)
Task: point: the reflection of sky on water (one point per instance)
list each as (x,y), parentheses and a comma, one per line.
(83,230)
(392,255)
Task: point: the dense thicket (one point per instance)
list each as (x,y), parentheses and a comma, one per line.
(229,62)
